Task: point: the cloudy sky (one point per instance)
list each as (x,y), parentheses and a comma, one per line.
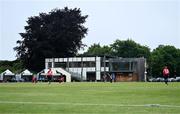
(148,22)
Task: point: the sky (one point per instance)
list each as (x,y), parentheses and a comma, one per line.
(147,22)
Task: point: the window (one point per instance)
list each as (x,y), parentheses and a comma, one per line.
(49,65)
(122,66)
(115,66)
(89,64)
(102,64)
(75,64)
(92,64)
(133,66)
(60,64)
(85,64)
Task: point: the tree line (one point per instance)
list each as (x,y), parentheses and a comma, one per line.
(163,55)
(59,33)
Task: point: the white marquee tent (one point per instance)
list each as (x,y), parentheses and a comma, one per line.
(26,72)
(7,75)
(57,72)
(26,75)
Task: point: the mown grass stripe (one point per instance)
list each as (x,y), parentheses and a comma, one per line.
(88,104)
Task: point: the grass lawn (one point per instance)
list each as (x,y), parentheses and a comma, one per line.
(90,98)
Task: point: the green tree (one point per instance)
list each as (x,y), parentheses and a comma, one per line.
(58,33)
(177,68)
(15,66)
(165,56)
(129,48)
(98,50)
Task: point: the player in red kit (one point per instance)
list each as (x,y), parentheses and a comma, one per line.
(166,74)
(49,75)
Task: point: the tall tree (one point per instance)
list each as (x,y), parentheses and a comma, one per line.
(165,56)
(58,33)
(129,48)
(98,50)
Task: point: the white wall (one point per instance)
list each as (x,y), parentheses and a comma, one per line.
(98,68)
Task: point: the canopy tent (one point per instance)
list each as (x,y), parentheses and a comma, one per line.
(7,75)
(56,72)
(26,72)
(26,75)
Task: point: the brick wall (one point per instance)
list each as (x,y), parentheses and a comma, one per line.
(126,77)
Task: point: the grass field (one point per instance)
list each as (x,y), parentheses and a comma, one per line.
(90,98)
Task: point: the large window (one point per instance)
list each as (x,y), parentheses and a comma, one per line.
(123,66)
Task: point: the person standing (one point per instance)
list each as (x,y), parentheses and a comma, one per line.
(104,77)
(113,77)
(61,79)
(166,74)
(49,75)
(175,74)
(34,79)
